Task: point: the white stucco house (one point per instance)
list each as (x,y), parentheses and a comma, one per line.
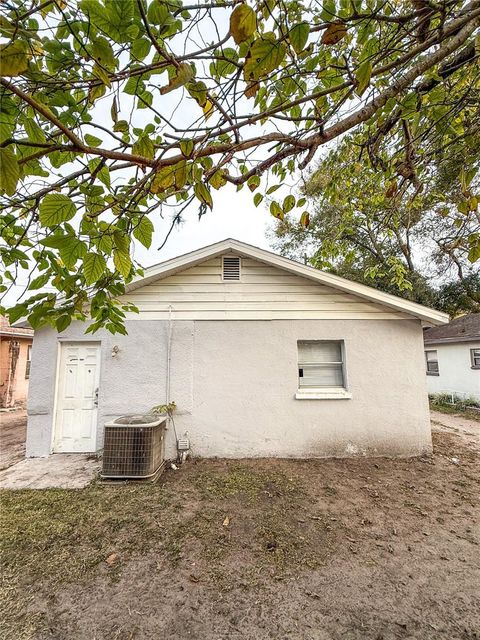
(452,357)
(263,356)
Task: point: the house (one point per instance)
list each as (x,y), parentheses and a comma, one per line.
(15,357)
(261,355)
(452,357)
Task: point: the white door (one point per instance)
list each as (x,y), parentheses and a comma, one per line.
(77,395)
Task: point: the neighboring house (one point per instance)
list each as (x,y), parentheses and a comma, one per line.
(15,357)
(262,356)
(452,357)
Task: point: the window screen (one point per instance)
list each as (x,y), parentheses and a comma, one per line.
(432,362)
(320,363)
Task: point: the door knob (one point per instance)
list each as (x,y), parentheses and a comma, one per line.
(95,401)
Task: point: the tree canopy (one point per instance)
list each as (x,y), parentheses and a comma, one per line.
(116,112)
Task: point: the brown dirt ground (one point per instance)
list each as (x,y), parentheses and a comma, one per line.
(352,549)
(13,431)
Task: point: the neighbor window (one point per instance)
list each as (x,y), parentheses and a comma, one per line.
(431,360)
(29,360)
(321,368)
(475,356)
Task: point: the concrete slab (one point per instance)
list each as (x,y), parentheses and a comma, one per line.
(59,471)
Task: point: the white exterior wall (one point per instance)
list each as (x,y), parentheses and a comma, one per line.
(455,369)
(234,383)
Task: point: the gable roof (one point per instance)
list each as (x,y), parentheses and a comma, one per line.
(463,329)
(187,260)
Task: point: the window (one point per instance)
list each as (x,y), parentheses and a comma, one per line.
(431,360)
(321,369)
(231,269)
(29,360)
(475,356)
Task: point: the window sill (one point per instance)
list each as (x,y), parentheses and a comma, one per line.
(323,394)
(429,373)
(475,367)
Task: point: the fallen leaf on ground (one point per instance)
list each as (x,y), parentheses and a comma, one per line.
(226,522)
(111,559)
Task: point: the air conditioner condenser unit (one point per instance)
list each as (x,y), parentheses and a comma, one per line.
(134,447)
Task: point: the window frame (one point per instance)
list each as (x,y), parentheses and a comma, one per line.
(28,362)
(474,357)
(333,392)
(427,361)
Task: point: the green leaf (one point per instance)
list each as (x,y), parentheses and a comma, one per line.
(172,176)
(102,51)
(101,74)
(243,23)
(198,91)
(363,76)
(225,62)
(202,192)
(335,32)
(94,266)
(253,183)
(14,58)
(122,262)
(298,36)
(143,231)
(62,322)
(9,171)
(114,110)
(183,74)
(288,203)
(276,210)
(217,180)
(305,219)
(92,141)
(39,282)
(140,49)
(56,208)
(265,55)
(72,250)
(121,126)
(144,147)
(257,199)
(186,147)
(33,131)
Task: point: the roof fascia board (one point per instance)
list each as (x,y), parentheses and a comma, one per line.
(455,340)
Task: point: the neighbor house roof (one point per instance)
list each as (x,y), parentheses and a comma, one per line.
(463,329)
(175,265)
(6,330)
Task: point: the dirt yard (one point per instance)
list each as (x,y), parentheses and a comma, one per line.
(282,550)
(13,430)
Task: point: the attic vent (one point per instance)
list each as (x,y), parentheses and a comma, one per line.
(231,268)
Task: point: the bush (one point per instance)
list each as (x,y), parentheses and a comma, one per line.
(454,401)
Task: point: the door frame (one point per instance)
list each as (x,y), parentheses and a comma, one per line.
(61,343)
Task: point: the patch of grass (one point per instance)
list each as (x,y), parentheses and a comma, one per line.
(455,404)
(247,482)
(453,410)
(66,533)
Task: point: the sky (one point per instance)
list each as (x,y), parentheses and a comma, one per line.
(234,216)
